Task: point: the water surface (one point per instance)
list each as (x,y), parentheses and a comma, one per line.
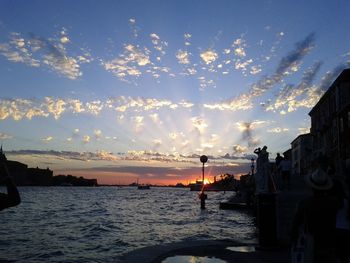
(78,224)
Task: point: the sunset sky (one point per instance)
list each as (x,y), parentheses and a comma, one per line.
(119,90)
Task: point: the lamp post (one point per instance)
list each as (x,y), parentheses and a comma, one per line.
(202,195)
(203,160)
(252,165)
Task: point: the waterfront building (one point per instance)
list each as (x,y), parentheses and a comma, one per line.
(330,125)
(301,154)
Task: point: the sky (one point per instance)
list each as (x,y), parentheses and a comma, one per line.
(127,90)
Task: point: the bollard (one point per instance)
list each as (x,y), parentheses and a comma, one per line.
(267,220)
(202,197)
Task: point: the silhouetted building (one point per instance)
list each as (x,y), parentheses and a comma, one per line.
(302,154)
(330,124)
(24,176)
(69,180)
(288,154)
(40,177)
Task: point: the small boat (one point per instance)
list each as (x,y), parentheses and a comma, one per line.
(142,186)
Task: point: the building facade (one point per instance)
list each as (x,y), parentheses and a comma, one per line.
(302,154)
(330,125)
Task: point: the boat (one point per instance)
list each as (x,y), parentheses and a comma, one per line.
(142,186)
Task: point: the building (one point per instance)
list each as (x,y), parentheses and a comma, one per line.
(330,125)
(301,154)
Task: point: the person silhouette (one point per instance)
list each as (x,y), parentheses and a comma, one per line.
(12,198)
(316,215)
(342,221)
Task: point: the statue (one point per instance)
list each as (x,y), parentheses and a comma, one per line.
(261,175)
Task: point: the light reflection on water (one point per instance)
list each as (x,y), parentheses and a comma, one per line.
(70,224)
(192,259)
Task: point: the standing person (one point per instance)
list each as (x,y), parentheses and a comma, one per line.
(285,167)
(278,159)
(12,198)
(316,215)
(342,222)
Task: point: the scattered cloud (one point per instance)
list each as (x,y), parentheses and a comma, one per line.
(199,124)
(86,139)
(47,139)
(36,51)
(5,136)
(129,63)
(98,134)
(209,56)
(158,44)
(242,102)
(183,57)
(278,130)
(134,27)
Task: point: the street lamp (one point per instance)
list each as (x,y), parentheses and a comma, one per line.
(202,195)
(203,160)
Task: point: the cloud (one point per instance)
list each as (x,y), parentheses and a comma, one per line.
(55,106)
(134,28)
(5,136)
(240,52)
(47,139)
(303,130)
(209,56)
(183,57)
(98,134)
(288,62)
(187,38)
(199,124)
(155,118)
(239,149)
(291,61)
(18,51)
(255,69)
(55,57)
(137,104)
(242,102)
(278,130)
(157,143)
(94,107)
(291,97)
(101,155)
(158,44)
(129,63)
(19,109)
(138,122)
(86,139)
(173,136)
(36,51)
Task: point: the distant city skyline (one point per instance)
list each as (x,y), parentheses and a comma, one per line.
(119,90)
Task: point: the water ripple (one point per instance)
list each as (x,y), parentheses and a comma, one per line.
(57,224)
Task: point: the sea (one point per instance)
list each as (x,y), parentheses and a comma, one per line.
(100,224)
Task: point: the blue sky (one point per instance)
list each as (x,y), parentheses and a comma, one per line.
(119,90)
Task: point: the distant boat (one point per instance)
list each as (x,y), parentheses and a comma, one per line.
(142,186)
